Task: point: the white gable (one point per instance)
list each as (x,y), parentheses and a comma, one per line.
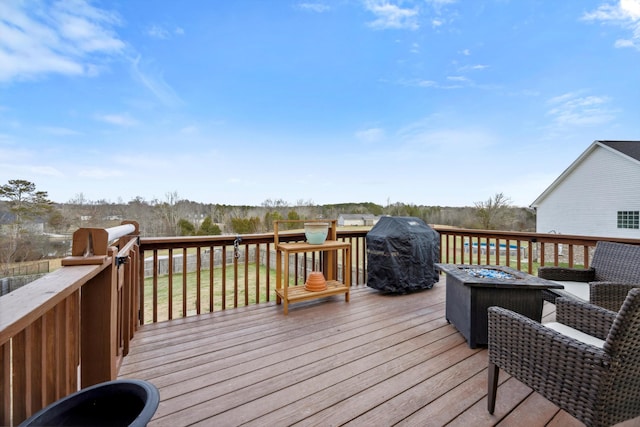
(586,198)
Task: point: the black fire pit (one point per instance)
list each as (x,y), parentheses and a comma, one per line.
(472,289)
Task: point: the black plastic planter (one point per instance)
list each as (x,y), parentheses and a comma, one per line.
(112,403)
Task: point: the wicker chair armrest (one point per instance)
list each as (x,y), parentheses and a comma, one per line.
(565,274)
(610,295)
(591,319)
(543,358)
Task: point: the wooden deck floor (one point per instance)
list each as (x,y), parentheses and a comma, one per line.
(375,361)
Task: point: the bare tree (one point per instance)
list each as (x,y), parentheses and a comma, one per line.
(170,211)
(494,213)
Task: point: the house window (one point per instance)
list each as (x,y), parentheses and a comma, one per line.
(629,219)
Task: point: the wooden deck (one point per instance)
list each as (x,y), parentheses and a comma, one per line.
(375,361)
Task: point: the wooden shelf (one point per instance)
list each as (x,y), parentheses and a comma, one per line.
(330,248)
(299,293)
(307,247)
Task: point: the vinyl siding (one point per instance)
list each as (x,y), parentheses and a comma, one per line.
(587,201)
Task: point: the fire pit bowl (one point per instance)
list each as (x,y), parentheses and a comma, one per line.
(489,273)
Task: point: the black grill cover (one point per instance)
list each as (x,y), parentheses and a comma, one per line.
(401,252)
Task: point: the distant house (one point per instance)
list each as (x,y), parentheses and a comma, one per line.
(8,224)
(357,219)
(597,195)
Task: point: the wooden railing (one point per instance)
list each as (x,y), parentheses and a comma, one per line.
(71,328)
(222,271)
(242,272)
(520,250)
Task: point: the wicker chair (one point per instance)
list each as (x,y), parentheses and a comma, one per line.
(614,270)
(598,383)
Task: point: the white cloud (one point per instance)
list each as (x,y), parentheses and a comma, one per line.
(461,79)
(477,67)
(391,16)
(624,10)
(395,14)
(370,135)
(452,82)
(67,37)
(155,83)
(631,8)
(624,43)
(160,32)
(574,109)
(626,14)
(117,119)
(314,7)
(438,6)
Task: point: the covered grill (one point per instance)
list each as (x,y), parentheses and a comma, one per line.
(401,253)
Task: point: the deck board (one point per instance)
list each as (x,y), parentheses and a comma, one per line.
(376,360)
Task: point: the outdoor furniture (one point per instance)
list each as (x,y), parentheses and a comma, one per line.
(615,269)
(472,289)
(588,363)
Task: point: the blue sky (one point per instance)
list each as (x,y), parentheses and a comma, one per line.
(428,102)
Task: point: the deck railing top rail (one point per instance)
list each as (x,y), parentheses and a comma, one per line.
(533,237)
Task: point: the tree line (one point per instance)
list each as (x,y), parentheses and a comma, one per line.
(33,227)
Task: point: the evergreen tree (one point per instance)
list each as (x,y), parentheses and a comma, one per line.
(186,228)
(24,201)
(208,228)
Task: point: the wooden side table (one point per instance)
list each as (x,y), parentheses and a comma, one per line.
(330,250)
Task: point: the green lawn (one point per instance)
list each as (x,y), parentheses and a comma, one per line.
(231,293)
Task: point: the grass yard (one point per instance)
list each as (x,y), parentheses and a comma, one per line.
(234,289)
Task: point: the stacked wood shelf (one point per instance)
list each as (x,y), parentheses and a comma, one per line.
(329,251)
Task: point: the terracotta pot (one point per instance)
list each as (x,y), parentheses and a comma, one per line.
(315,282)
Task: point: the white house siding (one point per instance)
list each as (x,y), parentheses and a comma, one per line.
(587,201)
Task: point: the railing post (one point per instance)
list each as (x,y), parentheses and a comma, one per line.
(99,348)
(98,332)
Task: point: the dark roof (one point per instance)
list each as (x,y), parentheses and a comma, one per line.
(629,148)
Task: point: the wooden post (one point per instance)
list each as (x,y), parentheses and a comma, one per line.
(98,348)
(330,260)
